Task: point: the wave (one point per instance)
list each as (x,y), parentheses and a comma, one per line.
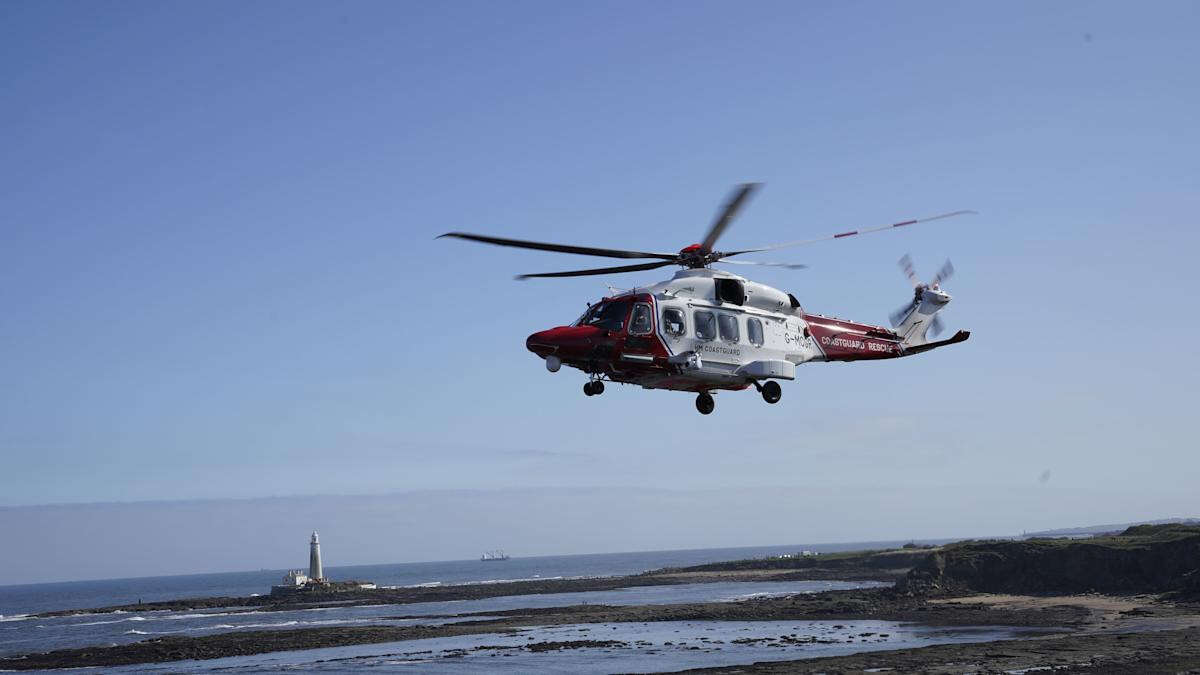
(511,581)
(749,596)
(14,617)
(206,615)
(240,626)
(536,577)
(103,623)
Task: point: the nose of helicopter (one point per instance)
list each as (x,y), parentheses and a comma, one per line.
(540,343)
(561,341)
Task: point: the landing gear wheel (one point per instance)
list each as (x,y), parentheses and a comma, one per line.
(705,403)
(597,388)
(771,392)
(587,389)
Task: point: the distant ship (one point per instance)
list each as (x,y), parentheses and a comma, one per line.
(493,555)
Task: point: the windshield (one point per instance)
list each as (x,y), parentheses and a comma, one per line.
(607,315)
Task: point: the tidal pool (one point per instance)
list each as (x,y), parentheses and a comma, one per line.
(611,647)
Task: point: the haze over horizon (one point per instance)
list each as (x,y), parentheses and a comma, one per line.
(173,537)
(220,279)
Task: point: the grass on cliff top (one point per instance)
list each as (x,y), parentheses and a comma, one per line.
(872,558)
(1137,536)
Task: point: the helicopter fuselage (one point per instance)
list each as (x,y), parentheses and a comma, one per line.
(706,329)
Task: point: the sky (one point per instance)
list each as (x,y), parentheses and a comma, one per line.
(220,279)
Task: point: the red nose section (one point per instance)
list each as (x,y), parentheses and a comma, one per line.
(564,341)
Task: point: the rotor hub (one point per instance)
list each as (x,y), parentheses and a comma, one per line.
(694,257)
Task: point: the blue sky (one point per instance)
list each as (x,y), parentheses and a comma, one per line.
(220,279)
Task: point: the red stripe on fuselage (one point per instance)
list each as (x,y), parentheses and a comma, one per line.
(843,340)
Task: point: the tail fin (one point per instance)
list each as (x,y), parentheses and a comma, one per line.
(913,322)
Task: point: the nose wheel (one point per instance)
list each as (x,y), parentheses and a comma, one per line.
(593,388)
(705,403)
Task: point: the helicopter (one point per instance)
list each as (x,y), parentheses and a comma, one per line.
(705,330)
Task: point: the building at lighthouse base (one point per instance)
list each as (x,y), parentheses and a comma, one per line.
(315,582)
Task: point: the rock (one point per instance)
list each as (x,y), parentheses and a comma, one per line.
(1142,559)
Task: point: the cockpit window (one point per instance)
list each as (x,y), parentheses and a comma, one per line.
(607,315)
(639,323)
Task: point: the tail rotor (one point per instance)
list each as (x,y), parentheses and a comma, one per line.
(920,291)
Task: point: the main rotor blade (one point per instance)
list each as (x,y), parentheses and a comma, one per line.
(790,266)
(851,233)
(728,213)
(943,274)
(560,248)
(600,270)
(906,266)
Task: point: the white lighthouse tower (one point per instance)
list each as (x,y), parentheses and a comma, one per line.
(314,560)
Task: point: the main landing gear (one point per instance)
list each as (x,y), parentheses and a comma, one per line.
(705,403)
(593,388)
(771,391)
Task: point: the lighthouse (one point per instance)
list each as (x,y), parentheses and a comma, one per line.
(314,560)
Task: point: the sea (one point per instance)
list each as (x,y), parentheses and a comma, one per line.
(657,646)
(35,598)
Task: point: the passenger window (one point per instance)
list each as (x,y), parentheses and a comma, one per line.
(729,327)
(754,331)
(673,321)
(639,323)
(706,325)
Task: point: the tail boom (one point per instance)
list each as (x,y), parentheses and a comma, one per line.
(843,340)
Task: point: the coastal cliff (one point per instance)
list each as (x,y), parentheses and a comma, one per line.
(1140,559)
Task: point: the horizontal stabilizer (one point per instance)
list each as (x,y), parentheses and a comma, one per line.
(960,336)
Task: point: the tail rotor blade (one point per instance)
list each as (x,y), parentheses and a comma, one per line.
(906,266)
(943,274)
(936,326)
(897,317)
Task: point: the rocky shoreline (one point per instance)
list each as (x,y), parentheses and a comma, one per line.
(1019,584)
(1167,651)
(882,604)
(861,566)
